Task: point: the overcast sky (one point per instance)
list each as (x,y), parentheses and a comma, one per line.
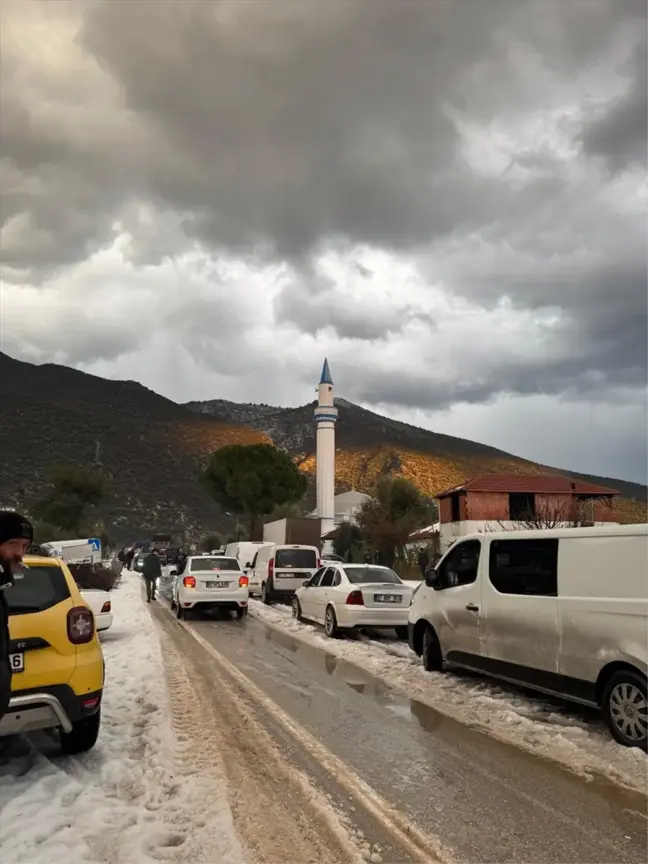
(446,198)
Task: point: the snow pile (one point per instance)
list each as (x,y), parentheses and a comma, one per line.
(126,800)
(576,738)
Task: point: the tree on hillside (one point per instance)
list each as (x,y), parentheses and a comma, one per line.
(397,509)
(73,491)
(348,541)
(209,542)
(286,511)
(253,479)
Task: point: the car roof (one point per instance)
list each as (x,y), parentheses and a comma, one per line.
(357,566)
(39,560)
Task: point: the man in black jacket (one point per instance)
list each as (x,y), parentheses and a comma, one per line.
(16,535)
(151,571)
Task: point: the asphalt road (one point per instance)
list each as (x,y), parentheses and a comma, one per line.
(483,800)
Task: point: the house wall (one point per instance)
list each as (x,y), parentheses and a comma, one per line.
(487,506)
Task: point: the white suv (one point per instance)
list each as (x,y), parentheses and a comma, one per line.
(209,582)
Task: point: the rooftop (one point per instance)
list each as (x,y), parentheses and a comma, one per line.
(543,484)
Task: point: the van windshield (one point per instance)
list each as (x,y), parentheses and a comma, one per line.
(36,589)
(298,559)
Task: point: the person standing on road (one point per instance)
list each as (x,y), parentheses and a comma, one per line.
(16,536)
(423,561)
(151,571)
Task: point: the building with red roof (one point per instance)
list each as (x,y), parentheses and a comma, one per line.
(496,502)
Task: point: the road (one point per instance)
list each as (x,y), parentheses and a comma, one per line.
(482,800)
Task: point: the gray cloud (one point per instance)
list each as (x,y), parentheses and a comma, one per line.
(497,146)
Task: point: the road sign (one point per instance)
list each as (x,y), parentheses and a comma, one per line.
(95,542)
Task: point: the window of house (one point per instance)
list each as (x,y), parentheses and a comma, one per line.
(522,507)
(455,509)
(460,566)
(527,567)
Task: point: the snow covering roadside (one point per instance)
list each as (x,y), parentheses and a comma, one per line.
(539,726)
(125,801)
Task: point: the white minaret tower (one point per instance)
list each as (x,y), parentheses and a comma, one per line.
(326,415)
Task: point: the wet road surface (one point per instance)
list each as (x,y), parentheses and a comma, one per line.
(483,799)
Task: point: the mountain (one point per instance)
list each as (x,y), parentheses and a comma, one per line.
(153,449)
(369,445)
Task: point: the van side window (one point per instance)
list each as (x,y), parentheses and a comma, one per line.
(460,565)
(527,567)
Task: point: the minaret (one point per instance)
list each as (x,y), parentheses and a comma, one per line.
(326,415)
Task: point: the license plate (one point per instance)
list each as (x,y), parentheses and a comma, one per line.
(17,662)
(217,584)
(387,598)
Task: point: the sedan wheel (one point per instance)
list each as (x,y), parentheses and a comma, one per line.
(296,609)
(330,623)
(625,709)
(180,612)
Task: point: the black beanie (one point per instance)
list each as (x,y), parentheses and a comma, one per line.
(13,526)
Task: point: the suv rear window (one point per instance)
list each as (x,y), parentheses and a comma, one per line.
(299,559)
(199,565)
(36,589)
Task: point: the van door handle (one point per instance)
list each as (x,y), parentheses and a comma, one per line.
(472,608)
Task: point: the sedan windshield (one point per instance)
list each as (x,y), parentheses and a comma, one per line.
(372,576)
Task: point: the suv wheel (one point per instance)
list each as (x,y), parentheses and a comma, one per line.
(432,657)
(83,736)
(266,593)
(625,708)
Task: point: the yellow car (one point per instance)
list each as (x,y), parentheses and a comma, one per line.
(56,658)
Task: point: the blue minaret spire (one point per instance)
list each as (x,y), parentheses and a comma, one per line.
(326,373)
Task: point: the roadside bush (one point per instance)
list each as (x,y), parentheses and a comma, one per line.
(94,576)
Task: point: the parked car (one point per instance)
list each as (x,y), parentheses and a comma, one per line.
(99,602)
(562,611)
(277,571)
(56,658)
(244,553)
(208,582)
(350,596)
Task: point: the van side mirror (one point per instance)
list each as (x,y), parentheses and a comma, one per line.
(173,573)
(249,564)
(432,578)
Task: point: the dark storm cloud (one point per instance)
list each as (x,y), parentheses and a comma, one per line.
(280,129)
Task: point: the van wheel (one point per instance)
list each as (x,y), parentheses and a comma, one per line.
(330,623)
(432,657)
(266,593)
(83,736)
(401,632)
(625,708)
(296,609)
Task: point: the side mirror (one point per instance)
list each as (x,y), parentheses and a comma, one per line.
(249,564)
(173,573)
(306,583)
(432,578)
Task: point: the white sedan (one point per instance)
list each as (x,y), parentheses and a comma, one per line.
(210,582)
(351,596)
(99,602)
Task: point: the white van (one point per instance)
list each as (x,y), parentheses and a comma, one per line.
(243,552)
(563,611)
(279,570)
